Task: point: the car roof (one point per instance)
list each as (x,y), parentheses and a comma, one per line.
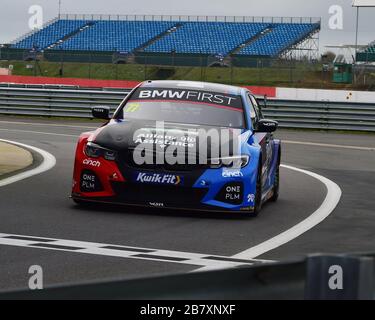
(204,86)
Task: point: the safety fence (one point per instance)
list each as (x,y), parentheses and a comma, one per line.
(65,101)
(231,69)
(188,18)
(339,277)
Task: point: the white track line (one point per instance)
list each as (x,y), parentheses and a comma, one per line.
(329,204)
(39,132)
(49,161)
(112,250)
(340,146)
(49,124)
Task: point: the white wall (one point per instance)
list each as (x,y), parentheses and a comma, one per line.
(331,95)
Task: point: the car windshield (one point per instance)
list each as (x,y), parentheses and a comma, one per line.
(185,106)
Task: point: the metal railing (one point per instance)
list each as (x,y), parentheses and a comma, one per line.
(325,115)
(65,101)
(56,101)
(188,18)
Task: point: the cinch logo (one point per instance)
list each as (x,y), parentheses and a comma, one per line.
(232,174)
(158,178)
(92,163)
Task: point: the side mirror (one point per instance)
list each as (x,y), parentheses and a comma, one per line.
(266,125)
(100,112)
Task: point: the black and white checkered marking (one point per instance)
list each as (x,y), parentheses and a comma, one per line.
(195,259)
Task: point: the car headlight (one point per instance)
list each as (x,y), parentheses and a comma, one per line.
(93,150)
(230,162)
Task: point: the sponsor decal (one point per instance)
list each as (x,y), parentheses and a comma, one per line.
(182,95)
(132,107)
(204,183)
(232,173)
(165,140)
(269,124)
(114,176)
(92,163)
(233,193)
(158,178)
(251,198)
(247,209)
(156,204)
(161,145)
(89,182)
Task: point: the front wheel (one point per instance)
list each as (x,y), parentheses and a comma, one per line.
(276,186)
(258,195)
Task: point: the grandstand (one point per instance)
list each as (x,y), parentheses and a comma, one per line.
(236,36)
(279,38)
(50,34)
(115,35)
(207,37)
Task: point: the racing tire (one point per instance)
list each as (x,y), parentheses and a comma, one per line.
(276,186)
(258,193)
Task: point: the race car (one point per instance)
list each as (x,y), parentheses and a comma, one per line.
(181,145)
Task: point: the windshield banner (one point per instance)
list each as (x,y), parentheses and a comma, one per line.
(184,95)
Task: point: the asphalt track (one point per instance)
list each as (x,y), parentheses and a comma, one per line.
(72,243)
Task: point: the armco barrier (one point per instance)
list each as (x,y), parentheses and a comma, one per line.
(323,115)
(308,278)
(56,101)
(65,101)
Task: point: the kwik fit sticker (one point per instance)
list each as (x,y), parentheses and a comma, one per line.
(158,178)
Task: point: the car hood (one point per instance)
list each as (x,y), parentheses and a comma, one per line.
(122,135)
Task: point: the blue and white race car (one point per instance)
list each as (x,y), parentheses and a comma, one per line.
(182,145)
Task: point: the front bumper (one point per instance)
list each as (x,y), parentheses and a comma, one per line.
(197,189)
(217,196)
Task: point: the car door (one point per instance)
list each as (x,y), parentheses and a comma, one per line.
(265,141)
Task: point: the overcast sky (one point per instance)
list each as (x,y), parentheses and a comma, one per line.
(14,14)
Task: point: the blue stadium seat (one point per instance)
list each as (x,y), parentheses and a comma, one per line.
(280,37)
(116,35)
(189,37)
(207,37)
(50,34)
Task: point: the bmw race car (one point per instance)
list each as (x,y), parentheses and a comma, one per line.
(182,145)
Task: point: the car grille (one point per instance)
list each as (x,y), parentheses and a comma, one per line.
(135,193)
(127,158)
(167,167)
